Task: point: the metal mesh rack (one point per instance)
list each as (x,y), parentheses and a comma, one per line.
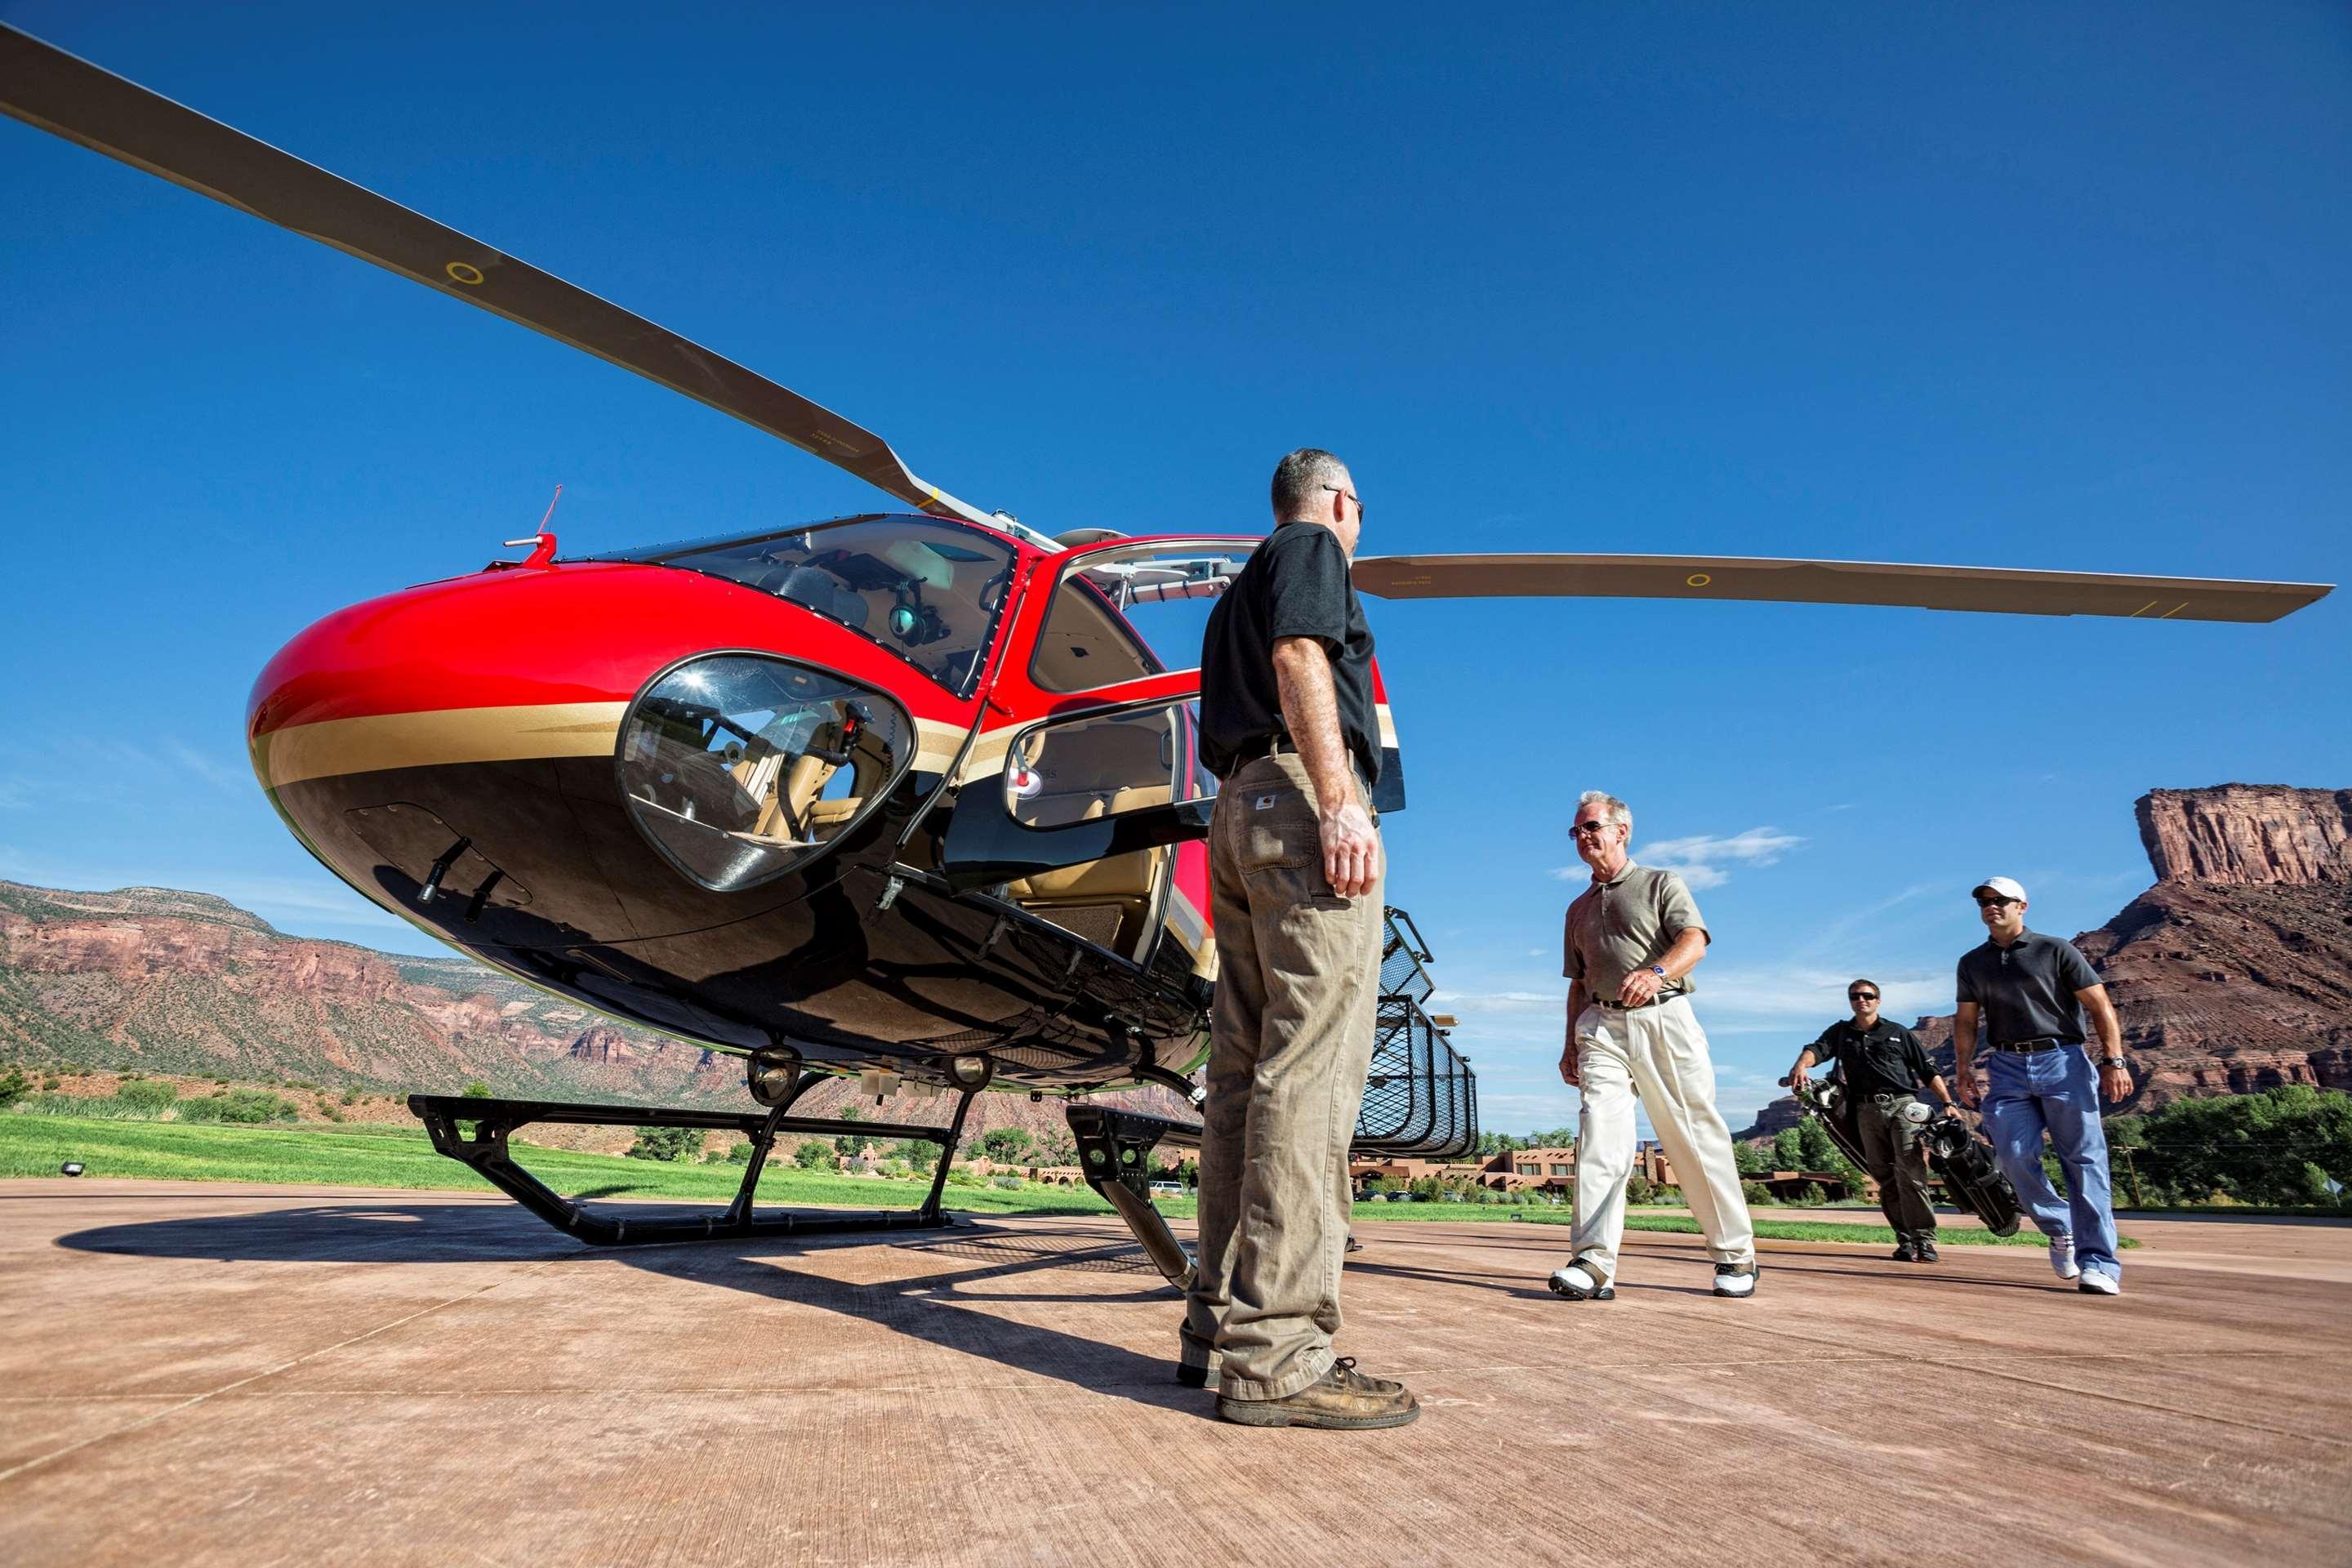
(1421,1098)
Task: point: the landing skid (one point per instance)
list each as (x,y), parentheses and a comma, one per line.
(485,1153)
(1115,1152)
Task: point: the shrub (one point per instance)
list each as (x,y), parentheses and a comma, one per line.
(145,1096)
(52,1083)
(1757,1192)
(239,1105)
(961,1176)
(1812,1193)
(351,1097)
(671,1143)
(12,1089)
(741,1153)
(817,1155)
(1009,1184)
(477,1089)
(1005,1144)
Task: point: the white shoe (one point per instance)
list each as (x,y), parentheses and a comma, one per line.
(1737,1279)
(1582,1282)
(2062,1257)
(2099,1283)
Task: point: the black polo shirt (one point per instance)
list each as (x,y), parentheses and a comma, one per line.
(1886,1058)
(2027,989)
(1295,586)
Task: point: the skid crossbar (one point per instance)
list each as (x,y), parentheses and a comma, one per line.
(446,1117)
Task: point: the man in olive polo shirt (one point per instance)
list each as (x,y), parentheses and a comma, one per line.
(2032,992)
(1884,1067)
(1631,942)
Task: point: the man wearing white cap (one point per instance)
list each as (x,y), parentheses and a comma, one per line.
(2032,992)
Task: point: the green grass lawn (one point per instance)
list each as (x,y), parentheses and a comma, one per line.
(403,1157)
(382,1156)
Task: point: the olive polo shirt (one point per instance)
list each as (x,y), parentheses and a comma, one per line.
(2027,989)
(1617,927)
(1886,1058)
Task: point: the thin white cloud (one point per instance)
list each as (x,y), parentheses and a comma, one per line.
(228,780)
(1703,861)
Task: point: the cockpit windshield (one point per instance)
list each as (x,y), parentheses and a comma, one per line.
(928,591)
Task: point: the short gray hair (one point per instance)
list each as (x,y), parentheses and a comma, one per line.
(1297,477)
(1612,809)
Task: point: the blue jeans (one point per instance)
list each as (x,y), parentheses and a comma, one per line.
(2055,1090)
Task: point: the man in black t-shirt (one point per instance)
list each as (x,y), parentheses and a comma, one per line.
(1294,877)
(1883,1066)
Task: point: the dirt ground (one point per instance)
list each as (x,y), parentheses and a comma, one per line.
(200,1373)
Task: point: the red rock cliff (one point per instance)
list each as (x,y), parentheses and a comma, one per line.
(2248,833)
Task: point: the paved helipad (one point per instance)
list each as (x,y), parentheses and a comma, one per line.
(240,1374)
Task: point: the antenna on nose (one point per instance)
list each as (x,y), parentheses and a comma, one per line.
(542,543)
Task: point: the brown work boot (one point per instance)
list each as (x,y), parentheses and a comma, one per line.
(1342,1399)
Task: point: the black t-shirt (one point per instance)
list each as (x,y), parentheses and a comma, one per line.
(1887,1058)
(2027,989)
(1295,586)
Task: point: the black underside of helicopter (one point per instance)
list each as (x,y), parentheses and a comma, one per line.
(859,960)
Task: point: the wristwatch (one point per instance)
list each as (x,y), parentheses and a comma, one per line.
(1659,970)
(2114,1062)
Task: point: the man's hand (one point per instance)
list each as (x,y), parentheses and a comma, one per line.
(1797,1080)
(1640,988)
(1351,850)
(2115,1082)
(1568,1065)
(1971,1096)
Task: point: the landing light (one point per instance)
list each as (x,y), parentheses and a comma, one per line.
(70,1168)
(971,1072)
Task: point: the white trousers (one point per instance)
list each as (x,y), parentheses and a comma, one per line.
(1659,1053)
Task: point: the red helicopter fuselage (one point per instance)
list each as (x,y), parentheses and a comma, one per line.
(880,792)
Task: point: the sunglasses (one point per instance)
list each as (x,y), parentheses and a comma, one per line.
(1592,829)
(1994,903)
(1862,996)
(1353,496)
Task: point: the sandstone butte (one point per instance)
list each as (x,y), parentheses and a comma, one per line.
(2233,974)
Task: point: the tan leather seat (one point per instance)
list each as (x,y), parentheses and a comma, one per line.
(1087,773)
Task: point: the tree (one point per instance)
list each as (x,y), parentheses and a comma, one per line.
(1787,1150)
(816,1154)
(12,1089)
(848,1143)
(1005,1145)
(671,1143)
(2281,1146)
(477,1089)
(1749,1158)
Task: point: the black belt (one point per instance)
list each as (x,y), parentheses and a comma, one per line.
(2024,1047)
(1633,1006)
(1263,746)
(1249,752)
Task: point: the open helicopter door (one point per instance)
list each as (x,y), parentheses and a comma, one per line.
(1094,822)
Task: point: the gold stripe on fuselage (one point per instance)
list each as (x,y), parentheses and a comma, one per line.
(525,733)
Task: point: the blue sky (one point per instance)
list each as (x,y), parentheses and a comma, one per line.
(2014,285)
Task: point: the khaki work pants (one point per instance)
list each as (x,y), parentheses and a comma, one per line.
(1290,1041)
(1660,1053)
(1890,1151)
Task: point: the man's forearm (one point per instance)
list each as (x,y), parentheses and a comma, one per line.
(1310,711)
(1804,1062)
(1684,956)
(2103,1021)
(1964,1040)
(1935,1084)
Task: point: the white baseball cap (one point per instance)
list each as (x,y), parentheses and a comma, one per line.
(2007,886)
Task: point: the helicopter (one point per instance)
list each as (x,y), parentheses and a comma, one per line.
(913,795)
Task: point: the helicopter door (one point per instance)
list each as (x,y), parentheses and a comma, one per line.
(1088,824)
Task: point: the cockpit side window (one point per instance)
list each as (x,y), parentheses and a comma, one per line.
(928,591)
(1132,610)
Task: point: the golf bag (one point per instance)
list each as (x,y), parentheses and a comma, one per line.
(1825,1102)
(1964,1161)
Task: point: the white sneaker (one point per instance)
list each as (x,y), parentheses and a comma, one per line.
(2062,1257)
(2099,1283)
(1737,1279)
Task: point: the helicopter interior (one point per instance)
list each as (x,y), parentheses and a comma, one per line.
(1090,768)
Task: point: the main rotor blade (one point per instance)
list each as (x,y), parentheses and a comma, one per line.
(45,87)
(1988,588)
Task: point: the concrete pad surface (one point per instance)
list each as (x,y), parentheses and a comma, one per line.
(238,1375)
